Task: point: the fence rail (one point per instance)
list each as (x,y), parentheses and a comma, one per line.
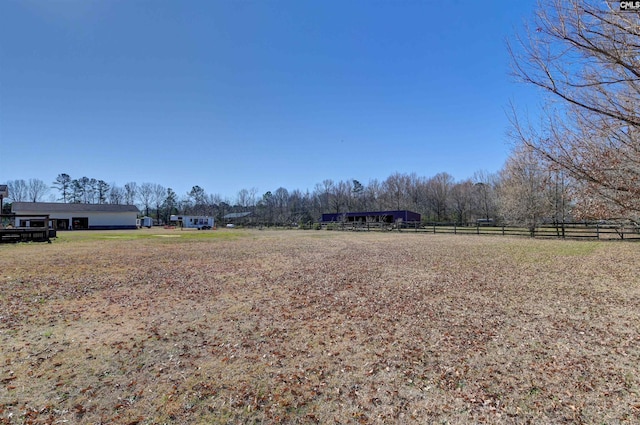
(595,231)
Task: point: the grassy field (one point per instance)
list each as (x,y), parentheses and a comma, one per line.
(234,326)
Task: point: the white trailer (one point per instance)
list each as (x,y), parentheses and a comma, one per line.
(200,222)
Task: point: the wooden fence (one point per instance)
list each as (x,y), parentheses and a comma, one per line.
(592,231)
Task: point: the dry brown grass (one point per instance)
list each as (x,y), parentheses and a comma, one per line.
(319,327)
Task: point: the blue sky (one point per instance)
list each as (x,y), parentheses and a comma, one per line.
(233,94)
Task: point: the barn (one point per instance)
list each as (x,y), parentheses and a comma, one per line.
(372,217)
(78,216)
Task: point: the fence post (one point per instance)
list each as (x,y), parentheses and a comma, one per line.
(598,231)
(477,228)
(434,228)
(503,230)
(455,231)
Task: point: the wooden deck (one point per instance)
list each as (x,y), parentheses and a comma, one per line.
(9,232)
(27,235)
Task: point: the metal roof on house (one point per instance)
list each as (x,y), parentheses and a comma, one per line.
(58,207)
(237,215)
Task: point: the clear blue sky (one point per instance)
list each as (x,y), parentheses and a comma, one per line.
(232,94)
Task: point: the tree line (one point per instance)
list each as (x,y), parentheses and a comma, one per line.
(439,198)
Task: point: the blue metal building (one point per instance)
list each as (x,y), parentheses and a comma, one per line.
(372,216)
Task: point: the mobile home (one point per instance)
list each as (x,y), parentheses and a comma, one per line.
(200,222)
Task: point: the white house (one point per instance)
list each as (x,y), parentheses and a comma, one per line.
(78,216)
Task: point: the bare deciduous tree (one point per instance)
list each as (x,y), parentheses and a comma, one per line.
(485,195)
(130,193)
(524,190)
(116,194)
(242,199)
(395,188)
(324,193)
(159,196)
(373,194)
(438,194)
(584,55)
(18,190)
(461,201)
(145,195)
(281,204)
(36,190)
(343,196)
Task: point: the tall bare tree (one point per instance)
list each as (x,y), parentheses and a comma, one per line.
(18,190)
(242,199)
(281,204)
(584,55)
(485,205)
(159,196)
(267,207)
(395,188)
(116,194)
(300,206)
(324,193)
(524,190)
(414,191)
(37,190)
(461,201)
(342,197)
(130,193)
(438,194)
(145,195)
(373,194)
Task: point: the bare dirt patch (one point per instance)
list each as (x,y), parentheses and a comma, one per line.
(319,327)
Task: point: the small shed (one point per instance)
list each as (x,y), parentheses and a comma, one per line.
(79,216)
